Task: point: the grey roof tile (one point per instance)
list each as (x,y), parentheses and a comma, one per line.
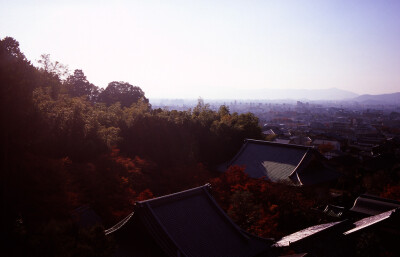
(190,223)
(299,235)
(283,163)
(372,220)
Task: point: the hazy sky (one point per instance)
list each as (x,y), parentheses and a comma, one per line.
(206,48)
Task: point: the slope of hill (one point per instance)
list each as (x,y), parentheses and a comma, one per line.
(393,98)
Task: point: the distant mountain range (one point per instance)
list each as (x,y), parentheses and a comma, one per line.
(292,95)
(393,98)
(332,94)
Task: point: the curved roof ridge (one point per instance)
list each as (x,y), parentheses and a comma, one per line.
(184,193)
(298,165)
(119,224)
(355,202)
(256,141)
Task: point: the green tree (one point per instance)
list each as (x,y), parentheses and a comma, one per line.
(122,92)
(77,85)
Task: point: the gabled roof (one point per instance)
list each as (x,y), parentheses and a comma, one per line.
(371,205)
(190,223)
(294,164)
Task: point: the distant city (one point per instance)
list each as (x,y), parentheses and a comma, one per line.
(316,98)
(358,125)
(332,96)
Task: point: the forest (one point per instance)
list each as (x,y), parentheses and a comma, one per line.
(67,142)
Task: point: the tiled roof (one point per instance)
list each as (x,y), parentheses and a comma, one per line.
(190,223)
(335,238)
(372,220)
(372,205)
(119,224)
(282,162)
(299,235)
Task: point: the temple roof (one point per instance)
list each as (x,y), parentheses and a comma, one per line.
(372,220)
(368,205)
(190,223)
(389,218)
(293,164)
(305,233)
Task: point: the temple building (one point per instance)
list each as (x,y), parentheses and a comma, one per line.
(188,223)
(292,164)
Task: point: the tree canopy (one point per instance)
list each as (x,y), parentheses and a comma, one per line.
(122,92)
(77,85)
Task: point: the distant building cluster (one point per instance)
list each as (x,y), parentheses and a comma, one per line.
(354,130)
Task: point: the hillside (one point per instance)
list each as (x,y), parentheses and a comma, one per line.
(393,98)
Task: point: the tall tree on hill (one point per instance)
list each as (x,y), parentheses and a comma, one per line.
(122,92)
(52,75)
(53,67)
(77,85)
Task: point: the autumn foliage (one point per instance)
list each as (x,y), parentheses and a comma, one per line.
(261,207)
(391,192)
